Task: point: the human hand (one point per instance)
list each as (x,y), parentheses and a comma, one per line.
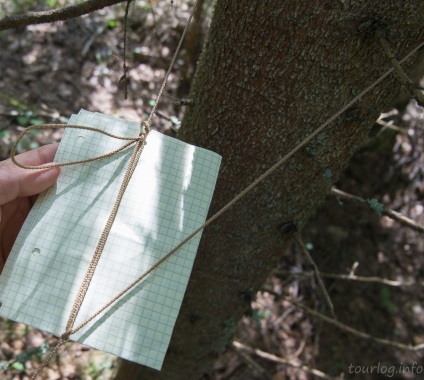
(19,189)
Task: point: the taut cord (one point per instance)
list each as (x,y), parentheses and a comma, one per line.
(138,149)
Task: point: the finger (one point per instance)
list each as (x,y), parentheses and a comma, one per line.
(39,156)
(16,182)
(14,214)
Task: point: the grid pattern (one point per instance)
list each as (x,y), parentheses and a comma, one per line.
(167,198)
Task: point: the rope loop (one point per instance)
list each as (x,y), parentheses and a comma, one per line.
(142,137)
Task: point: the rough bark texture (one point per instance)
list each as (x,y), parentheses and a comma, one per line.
(270,73)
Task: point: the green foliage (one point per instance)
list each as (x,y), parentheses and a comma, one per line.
(37,351)
(23,357)
(27,143)
(25,116)
(19,366)
(28,118)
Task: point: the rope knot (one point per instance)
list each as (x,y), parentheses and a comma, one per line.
(65,336)
(146,126)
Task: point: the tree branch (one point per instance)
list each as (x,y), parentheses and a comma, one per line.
(349,277)
(390,213)
(321,285)
(415,91)
(20,21)
(240,347)
(347,328)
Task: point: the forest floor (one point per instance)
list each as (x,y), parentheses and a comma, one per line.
(49,72)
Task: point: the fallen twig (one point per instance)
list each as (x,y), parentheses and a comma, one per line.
(349,329)
(252,363)
(350,277)
(265,355)
(317,274)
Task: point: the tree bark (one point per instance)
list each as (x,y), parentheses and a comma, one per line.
(270,73)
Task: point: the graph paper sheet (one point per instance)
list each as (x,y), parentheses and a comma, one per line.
(167,198)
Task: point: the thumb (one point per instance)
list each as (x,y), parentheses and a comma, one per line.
(16,182)
(38,181)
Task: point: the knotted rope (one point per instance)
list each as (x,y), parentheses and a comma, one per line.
(132,140)
(139,142)
(138,149)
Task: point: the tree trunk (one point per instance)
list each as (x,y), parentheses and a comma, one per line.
(270,73)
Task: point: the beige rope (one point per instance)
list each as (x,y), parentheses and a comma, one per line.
(138,149)
(71,330)
(100,245)
(72,126)
(128,174)
(140,141)
(244,192)
(49,357)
